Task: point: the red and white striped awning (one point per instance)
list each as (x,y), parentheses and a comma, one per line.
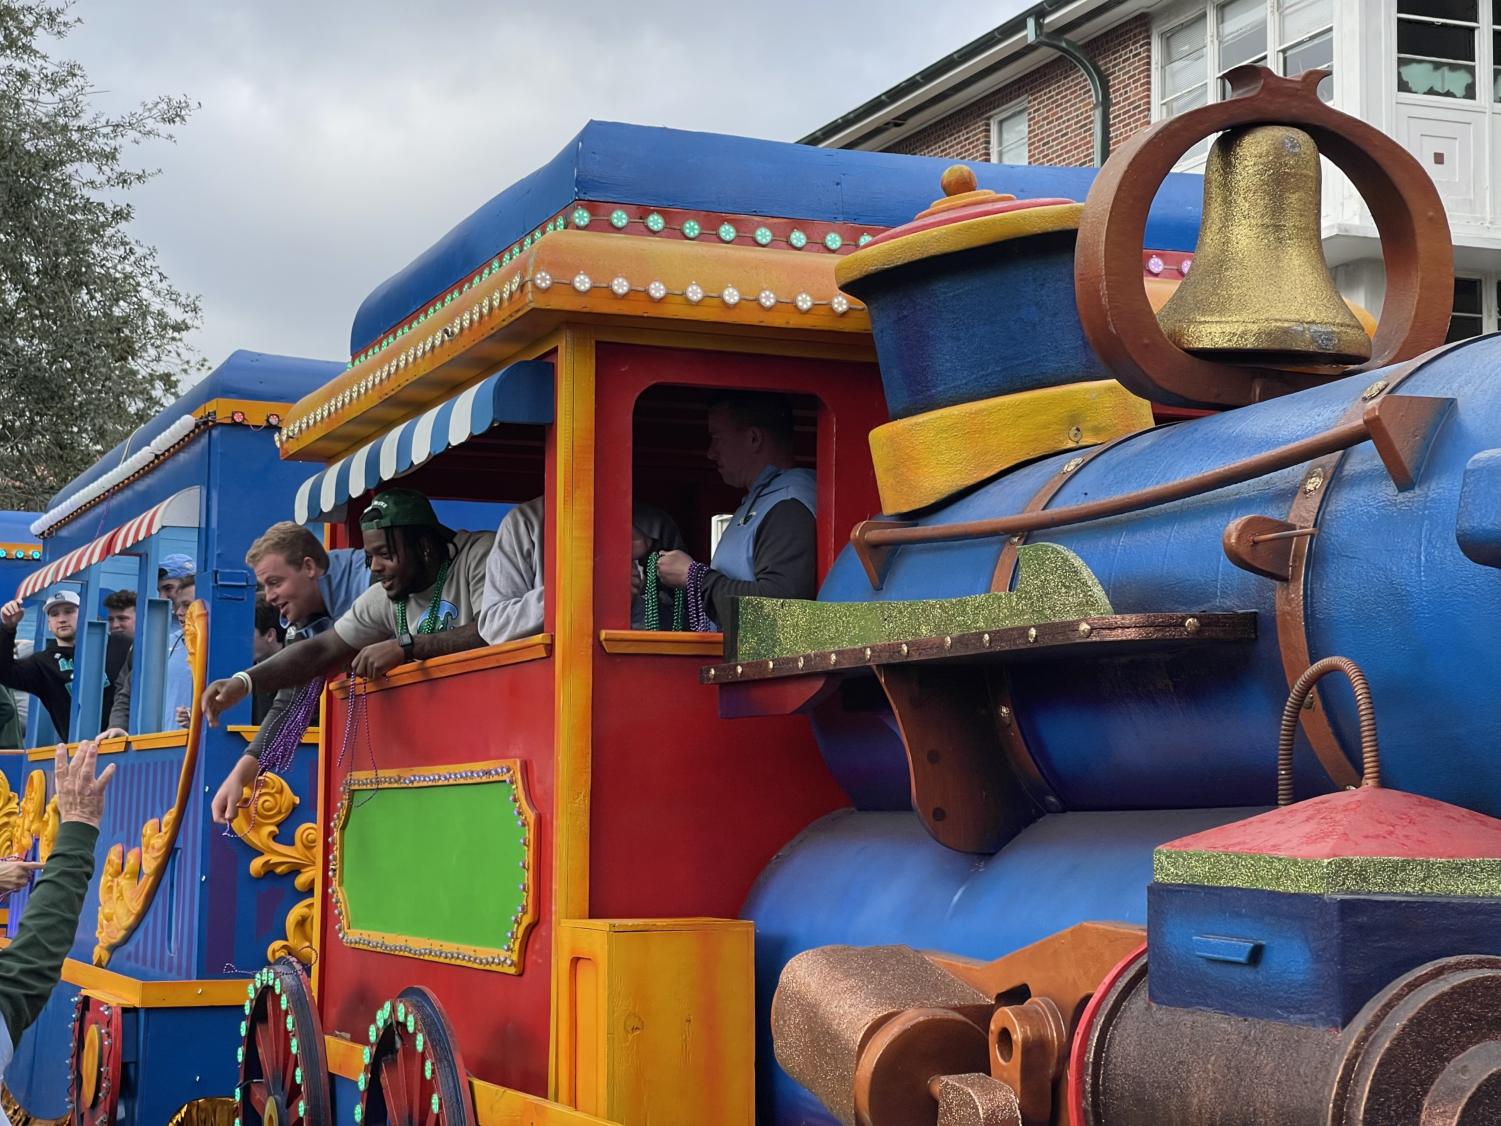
(179,511)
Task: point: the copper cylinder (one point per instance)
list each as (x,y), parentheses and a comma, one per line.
(881,1018)
(1260,291)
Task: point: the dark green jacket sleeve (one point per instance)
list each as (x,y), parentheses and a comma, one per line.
(31,965)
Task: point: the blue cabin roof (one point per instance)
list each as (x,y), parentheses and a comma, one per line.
(15,527)
(674,168)
(256,376)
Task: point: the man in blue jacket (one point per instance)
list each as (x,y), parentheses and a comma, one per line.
(770,547)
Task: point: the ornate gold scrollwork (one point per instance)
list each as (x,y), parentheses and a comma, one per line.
(258,825)
(129,881)
(10,812)
(52,821)
(31,815)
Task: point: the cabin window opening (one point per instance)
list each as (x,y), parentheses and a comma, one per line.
(474,486)
(680,496)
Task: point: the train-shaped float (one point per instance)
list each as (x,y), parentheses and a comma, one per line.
(1044,810)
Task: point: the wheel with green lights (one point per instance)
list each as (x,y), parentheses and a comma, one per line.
(283,1071)
(97,1055)
(414,1075)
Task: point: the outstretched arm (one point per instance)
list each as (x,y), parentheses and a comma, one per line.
(31,965)
(20,674)
(294,665)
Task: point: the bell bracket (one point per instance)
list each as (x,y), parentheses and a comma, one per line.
(1402,198)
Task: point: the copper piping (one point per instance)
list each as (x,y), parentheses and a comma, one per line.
(1370,754)
(878,533)
(1290,534)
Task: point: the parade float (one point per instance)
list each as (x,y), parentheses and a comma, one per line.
(1045,811)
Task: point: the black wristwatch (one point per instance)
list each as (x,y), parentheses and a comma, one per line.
(406,641)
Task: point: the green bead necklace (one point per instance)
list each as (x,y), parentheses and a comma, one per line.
(653,614)
(429,623)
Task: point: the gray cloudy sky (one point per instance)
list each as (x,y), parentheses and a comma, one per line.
(337,140)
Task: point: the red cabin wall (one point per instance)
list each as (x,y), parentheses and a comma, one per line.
(502,1021)
(686,809)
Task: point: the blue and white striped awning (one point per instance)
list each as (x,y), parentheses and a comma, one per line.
(521,392)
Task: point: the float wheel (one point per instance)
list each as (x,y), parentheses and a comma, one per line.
(414,1075)
(96,1061)
(283,1071)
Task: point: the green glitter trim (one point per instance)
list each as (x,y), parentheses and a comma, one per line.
(1054,585)
(1341,875)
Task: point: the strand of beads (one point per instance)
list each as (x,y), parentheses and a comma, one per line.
(698,617)
(650,595)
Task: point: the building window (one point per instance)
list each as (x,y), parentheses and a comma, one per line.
(1008,135)
(1436,47)
(1196,52)
(1468,316)
(1307,39)
(1242,27)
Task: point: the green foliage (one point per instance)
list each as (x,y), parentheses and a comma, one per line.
(92,333)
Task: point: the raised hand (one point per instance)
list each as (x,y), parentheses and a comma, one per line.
(11,614)
(80,795)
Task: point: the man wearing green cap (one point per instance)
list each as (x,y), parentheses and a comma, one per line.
(429,581)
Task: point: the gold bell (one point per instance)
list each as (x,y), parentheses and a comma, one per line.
(1260,291)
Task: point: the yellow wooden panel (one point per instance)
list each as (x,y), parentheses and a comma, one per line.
(923,459)
(513,652)
(247,731)
(667,1037)
(572,601)
(501,1106)
(662,643)
(346,1059)
(152,741)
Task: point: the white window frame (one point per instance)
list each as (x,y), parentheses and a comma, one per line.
(1488,283)
(1485,63)
(1012,109)
(1178,15)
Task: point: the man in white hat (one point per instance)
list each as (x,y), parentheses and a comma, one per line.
(48,675)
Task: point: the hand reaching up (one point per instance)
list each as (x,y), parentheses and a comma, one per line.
(80,795)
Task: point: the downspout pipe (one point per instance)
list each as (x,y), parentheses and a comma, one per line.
(1099,85)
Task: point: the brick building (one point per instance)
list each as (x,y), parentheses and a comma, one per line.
(1428,72)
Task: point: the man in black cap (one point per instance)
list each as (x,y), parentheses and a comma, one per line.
(429,584)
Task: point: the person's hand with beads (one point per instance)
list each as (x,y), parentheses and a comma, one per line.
(224,694)
(376,660)
(673,568)
(231,796)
